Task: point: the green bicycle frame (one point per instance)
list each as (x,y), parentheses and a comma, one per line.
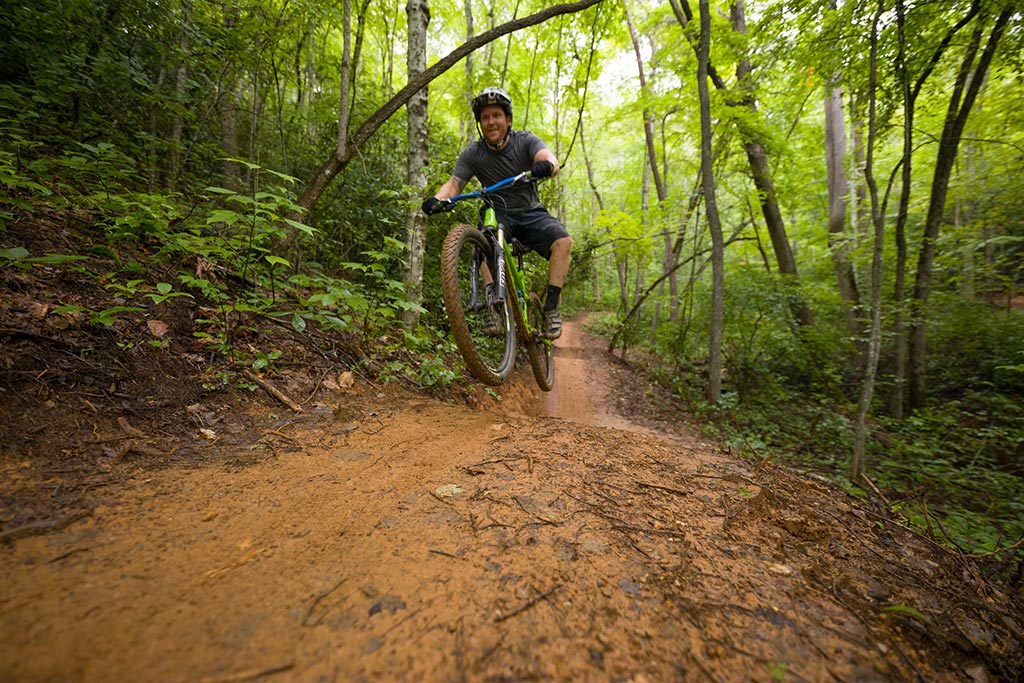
(506,260)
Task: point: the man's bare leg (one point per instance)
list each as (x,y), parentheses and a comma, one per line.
(558,265)
(558,268)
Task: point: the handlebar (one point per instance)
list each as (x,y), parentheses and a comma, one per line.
(525,176)
(449,204)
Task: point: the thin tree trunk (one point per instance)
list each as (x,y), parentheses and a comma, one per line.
(897,400)
(967,85)
(418,13)
(622,269)
(529,85)
(899,294)
(357,54)
(180,81)
(590,172)
(467,124)
(346,73)
(838,237)
(154,124)
(857,461)
(508,48)
(714,386)
(757,156)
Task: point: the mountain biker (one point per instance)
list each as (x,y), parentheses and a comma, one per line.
(502,152)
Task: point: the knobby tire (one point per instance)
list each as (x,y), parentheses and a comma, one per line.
(490,359)
(538,350)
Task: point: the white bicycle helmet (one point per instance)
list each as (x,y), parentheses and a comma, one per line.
(492,95)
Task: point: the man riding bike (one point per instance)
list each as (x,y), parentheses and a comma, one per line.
(502,152)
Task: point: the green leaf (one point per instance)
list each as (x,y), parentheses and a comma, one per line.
(223,216)
(910,611)
(277,260)
(59,258)
(300,226)
(14,253)
(298,323)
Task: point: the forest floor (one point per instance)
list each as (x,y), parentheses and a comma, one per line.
(151,530)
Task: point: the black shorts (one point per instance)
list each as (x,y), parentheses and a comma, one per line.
(535,228)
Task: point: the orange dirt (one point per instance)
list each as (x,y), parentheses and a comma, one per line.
(389,537)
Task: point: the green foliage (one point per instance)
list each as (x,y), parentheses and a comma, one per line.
(18,257)
(979,346)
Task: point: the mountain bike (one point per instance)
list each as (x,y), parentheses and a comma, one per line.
(483,284)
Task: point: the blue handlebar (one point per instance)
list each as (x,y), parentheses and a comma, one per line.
(525,175)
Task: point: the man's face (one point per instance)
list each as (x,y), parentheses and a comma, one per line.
(493,123)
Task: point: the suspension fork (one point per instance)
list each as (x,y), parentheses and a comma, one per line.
(491,221)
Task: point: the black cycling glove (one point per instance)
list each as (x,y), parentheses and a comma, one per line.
(542,169)
(431,206)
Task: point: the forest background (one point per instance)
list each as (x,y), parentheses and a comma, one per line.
(818,246)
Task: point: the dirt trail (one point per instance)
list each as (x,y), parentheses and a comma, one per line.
(384,538)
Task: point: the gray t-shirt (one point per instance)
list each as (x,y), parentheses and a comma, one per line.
(490,166)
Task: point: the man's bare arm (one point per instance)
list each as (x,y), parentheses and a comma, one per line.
(547,155)
(451,188)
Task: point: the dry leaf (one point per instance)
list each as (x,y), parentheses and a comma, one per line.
(346,379)
(38,310)
(156,328)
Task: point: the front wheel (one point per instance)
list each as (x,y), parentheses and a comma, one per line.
(484,333)
(538,349)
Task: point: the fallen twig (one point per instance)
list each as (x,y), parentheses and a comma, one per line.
(446,554)
(320,596)
(42,526)
(528,605)
(272,390)
(644,530)
(667,489)
(250,675)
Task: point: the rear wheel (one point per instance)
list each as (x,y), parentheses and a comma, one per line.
(485,335)
(538,349)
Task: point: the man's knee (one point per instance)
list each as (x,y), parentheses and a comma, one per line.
(563,245)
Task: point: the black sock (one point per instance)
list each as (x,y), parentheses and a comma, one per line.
(551,302)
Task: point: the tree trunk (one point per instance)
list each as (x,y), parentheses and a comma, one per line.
(652,154)
(967,84)
(757,156)
(330,168)
(508,48)
(229,138)
(899,293)
(897,399)
(839,239)
(857,461)
(180,80)
(357,53)
(468,123)
(344,107)
(229,115)
(622,269)
(154,125)
(418,13)
(590,172)
(714,386)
